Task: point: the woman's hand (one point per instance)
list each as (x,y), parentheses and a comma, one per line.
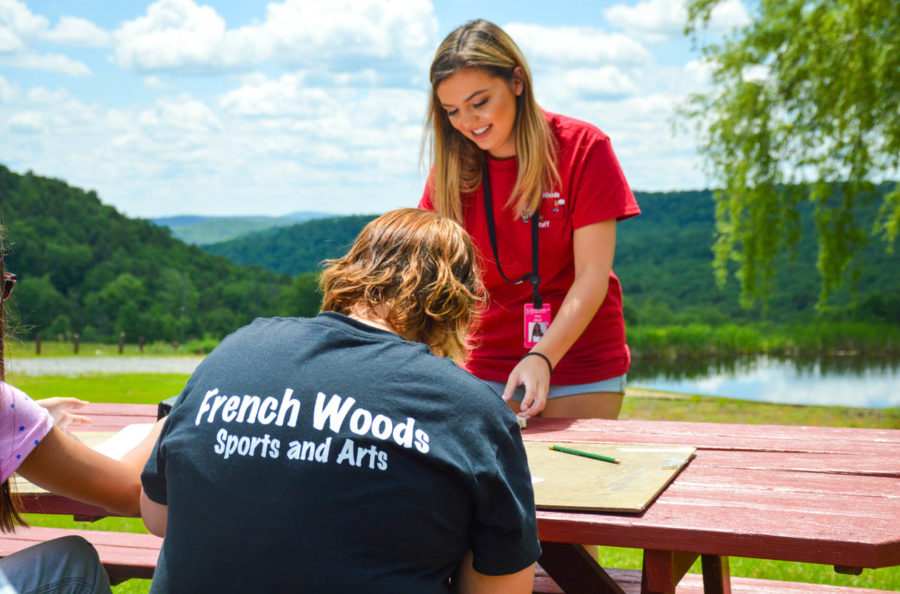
(61,411)
(594,247)
(534,374)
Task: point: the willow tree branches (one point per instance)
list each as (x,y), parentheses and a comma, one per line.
(804,106)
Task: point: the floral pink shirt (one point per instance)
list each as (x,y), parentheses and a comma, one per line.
(23,424)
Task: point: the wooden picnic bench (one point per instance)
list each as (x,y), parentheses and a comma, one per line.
(810,494)
(828,495)
(125,555)
(130,555)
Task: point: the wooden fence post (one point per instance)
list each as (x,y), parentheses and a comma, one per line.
(75,338)
(37,344)
(141,344)
(121,342)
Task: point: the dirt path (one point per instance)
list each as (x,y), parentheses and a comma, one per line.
(83,365)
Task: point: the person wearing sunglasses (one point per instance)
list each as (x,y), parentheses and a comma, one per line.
(35,445)
(9,282)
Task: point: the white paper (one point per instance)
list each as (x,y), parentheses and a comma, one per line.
(124,440)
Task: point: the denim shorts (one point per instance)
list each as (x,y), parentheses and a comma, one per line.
(613,384)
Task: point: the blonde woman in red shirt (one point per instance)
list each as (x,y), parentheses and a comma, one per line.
(541,195)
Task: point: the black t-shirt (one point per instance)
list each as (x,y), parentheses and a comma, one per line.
(324,455)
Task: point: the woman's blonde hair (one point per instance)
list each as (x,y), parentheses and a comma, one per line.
(457,161)
(416,270)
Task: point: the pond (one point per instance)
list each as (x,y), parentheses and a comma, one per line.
(827,381)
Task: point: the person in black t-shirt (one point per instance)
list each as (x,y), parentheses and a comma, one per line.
(348,452)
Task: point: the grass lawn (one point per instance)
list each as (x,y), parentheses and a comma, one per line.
(639,404)
(138,388)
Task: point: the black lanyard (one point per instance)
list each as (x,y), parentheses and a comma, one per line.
(532,276)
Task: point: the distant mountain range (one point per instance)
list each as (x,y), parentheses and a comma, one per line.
(85,268)
(663,259)
(199,229)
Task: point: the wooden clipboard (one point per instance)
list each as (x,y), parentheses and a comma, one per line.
(569,482)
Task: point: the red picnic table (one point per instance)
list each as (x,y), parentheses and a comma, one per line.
(824,495)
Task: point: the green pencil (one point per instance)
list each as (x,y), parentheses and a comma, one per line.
(585,454)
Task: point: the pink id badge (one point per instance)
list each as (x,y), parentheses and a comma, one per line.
(536,323)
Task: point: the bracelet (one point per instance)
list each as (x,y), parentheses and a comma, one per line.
(542,356)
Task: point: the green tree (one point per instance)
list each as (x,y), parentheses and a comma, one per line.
(38,302)
(804,106)
(117,306)
(60,329)
(302,298)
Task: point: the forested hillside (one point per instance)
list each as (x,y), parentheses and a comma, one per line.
(663,258)
(296,249)
(84,267)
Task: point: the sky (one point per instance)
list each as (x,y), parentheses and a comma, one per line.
(249,108)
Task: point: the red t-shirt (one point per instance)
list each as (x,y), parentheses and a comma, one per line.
(593,190)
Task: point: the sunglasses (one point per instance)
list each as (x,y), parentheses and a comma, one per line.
(9,281)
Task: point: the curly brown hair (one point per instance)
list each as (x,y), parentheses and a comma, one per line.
(416,270)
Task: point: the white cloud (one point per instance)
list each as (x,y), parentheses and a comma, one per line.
(56,114)
(360,129)
(756,73)
(183,114)
(698,72)
(576,45)
(269,145)
(78,31)
(153,82)
(180,35)
(179,143)
(653,156)
(293,96)
(46,62)
(17,24)
(19,27)
(653,20)
(26,122)
(17,17)
(659,20)
(42,96)
(9,41)
(108,149)
(729,14)
(325,113)
(595,83)
(371,28)
(9,92)
(260,96)
(172,34)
